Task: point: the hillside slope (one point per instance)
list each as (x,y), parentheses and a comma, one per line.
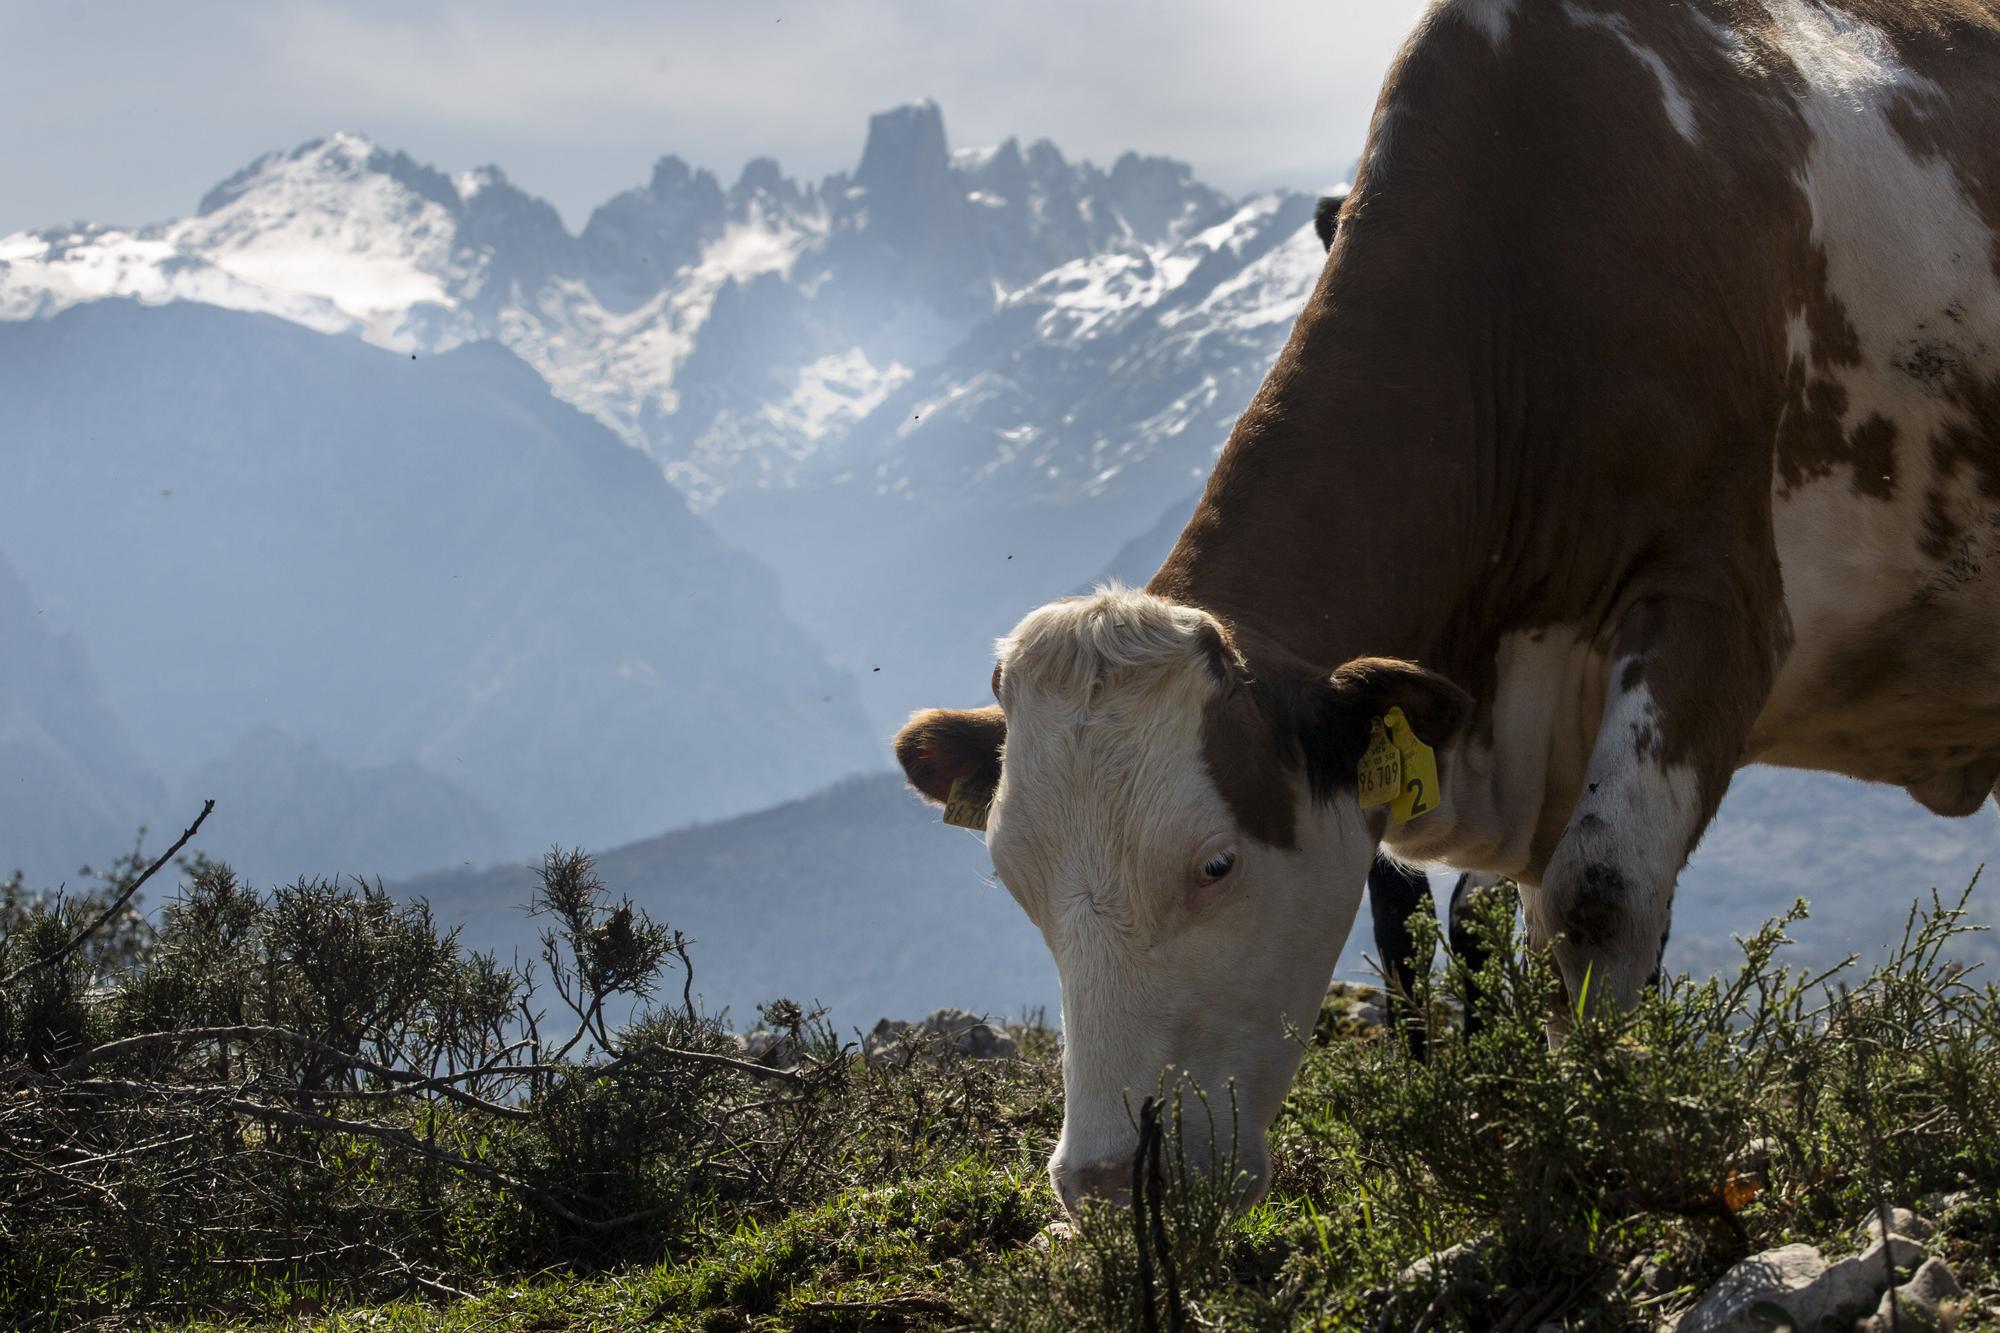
(429,560)
(73,789)
(855,897)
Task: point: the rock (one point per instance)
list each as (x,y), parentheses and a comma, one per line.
(970,1035)
(958,1030)
(1852,1288)
(1751,1293)
(1902,1222)
(1796,1287)
(1052,1235)
(1903,1252)
(1929,1302)
(1432,1267)
(776,1050)
(1939,1202)
(1753,1160)
(883,1036)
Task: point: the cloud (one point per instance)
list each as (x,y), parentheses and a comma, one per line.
(718,82)
(575,101)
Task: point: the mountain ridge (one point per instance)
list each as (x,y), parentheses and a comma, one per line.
(430,561)
(344,235)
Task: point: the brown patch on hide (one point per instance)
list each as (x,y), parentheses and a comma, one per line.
(1280,721)
(1247,760)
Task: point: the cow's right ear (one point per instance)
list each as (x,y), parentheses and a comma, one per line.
(941,747)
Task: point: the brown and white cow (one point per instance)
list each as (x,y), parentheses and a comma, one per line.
(1650,400)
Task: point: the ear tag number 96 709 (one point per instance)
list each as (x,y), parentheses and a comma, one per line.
(1398,770)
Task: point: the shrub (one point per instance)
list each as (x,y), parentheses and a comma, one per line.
(313,1097)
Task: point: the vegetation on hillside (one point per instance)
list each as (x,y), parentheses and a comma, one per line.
(313,1104)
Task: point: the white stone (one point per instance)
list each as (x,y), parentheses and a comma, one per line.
(1052,1235)
(962,1031)
(1902,1222)
(1750,1292)
(1928,1303)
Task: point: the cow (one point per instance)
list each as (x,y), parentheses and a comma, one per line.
(1644,423)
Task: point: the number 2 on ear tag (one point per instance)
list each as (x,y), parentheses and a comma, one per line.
(965,809)
(1379,776)
(1417,786)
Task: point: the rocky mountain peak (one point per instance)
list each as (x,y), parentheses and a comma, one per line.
(905,153)
(345,158)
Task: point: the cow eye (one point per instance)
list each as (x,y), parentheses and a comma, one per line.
(1218,866)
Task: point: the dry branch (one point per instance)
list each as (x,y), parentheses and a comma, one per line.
(117,905)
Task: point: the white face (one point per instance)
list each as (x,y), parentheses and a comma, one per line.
(1188,950)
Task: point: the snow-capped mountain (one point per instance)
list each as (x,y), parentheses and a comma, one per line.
(728,331)
(988,352)
(1089,403)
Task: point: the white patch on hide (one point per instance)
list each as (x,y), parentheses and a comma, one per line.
(1680,111)
(1910,259)
(1548,695)
(1635,818)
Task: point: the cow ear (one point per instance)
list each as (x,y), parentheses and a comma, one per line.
(1371,686)
(941,747)
(1326,217)
(1341,717)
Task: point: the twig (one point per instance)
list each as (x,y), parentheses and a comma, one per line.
(411,1143)
(1146,1192)
(117,906)
(706,1058)
(410,1083)
(1872,1139)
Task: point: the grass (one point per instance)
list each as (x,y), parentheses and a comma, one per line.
(1600,1186)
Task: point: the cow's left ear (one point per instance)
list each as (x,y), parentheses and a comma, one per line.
(941,747)
(1326,218)
(1371,686)
(1343,712)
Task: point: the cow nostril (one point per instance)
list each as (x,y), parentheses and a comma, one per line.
(1110,1181)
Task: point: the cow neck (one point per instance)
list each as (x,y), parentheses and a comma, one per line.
(1341,519)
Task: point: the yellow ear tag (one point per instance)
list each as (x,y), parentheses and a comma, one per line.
(1379,778)
(964,809)
(1418,792)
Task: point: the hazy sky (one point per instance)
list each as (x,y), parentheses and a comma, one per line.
(126,111)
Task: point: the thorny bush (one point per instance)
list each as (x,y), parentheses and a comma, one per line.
(314,1098)
(277,1100)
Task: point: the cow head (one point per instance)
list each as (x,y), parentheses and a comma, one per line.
(1184,831)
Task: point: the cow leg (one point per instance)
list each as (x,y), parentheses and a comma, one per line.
(1471,894)
(1685,684)
(1397,894)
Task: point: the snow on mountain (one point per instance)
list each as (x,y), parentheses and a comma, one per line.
(996,361)
(43,273)
(1016,465)
(813,301)
(928,391)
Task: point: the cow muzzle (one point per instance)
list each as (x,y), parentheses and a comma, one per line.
(1109,1180)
